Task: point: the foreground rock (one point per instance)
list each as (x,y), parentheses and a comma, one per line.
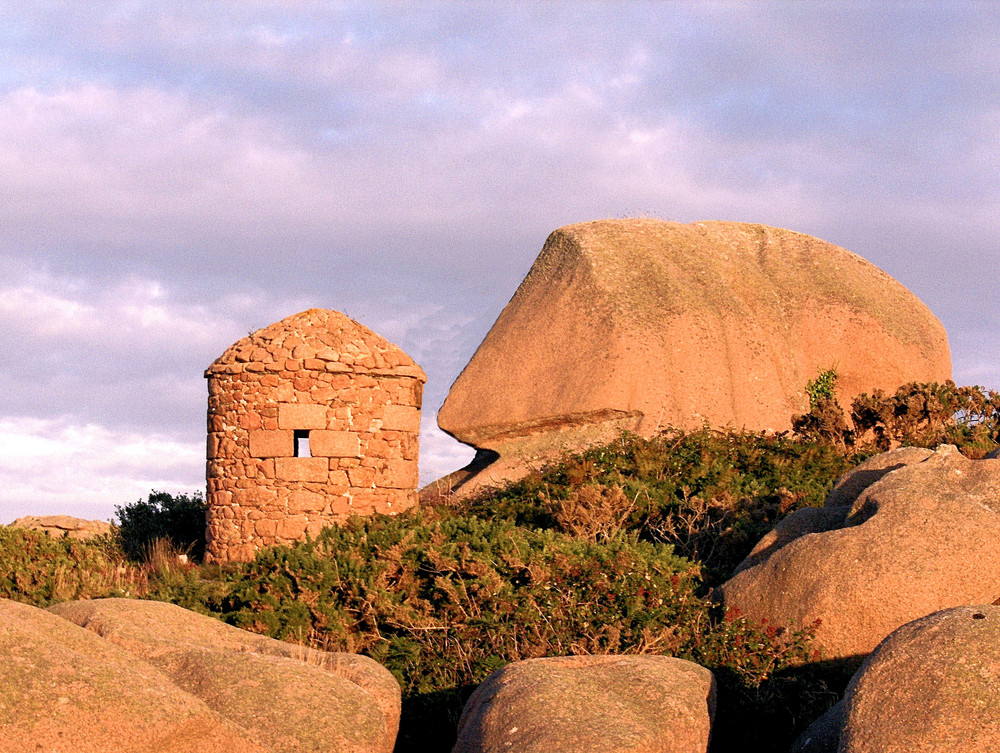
(642,324)
(287,697)
(591,704)
(65,690)
(63,525)
(932,686)
(920,538)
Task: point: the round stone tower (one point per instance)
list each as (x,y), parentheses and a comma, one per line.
(310,420)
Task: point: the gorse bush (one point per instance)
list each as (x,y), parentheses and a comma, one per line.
(179,519)
(917,414)
(710,494)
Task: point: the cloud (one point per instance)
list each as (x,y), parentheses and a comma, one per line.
(51,466)
(174,178)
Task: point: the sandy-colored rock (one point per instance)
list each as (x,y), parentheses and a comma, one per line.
(643,324)
(849,486)
(591,704)
(932,686)
(63,525)
(921,538)
(65,690)
(287,697)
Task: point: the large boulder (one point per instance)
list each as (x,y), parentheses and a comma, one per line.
(591,704)
(932,686)
(919,537)
(61,526)
(287,697)
(65,690)
(643,324)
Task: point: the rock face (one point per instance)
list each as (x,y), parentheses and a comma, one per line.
(920,537)
(285,697)
(591,704)
(932,686)
(66,690)
(310,420)
(63,525)
(644,324)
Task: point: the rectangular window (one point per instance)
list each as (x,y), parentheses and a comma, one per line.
(302,443)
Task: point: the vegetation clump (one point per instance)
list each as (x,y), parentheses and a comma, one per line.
(917,414)
(178,520)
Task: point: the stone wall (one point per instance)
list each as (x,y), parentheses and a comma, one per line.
(321,376)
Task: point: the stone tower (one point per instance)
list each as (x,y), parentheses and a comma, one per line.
(310,420)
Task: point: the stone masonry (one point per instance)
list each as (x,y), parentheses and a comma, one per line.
(310,420)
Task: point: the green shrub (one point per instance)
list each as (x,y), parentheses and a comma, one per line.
(179,519)
(40,570)
(928,414)
(710,494)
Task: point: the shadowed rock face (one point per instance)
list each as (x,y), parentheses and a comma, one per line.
(921,537)
(639,704)
(645,324)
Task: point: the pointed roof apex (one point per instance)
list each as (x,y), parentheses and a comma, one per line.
(328,340)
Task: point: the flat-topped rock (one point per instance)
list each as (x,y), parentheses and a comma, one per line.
(643,324)
(63,525)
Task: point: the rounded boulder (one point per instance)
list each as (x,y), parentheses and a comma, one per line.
(920,538)
(591,704)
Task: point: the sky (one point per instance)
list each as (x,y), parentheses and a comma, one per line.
(174,176)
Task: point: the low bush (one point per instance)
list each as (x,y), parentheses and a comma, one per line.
(443,600)
(41,570)
(711,494)
(917,414)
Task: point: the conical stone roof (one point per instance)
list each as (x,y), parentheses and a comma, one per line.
(317,339)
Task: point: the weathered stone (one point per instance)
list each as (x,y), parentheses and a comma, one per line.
(401,418)
(642,324)
(335,444)
(397,474)
(302,469)
(63,688)
(932,686)
(919,539)
(304,416)
(270,444)
(584,704)
(286,697)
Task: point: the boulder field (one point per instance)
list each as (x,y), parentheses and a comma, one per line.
(906,534)
(643,324)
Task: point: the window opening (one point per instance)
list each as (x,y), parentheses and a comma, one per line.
(302,443)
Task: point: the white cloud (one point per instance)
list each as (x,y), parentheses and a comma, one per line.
(51,466)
